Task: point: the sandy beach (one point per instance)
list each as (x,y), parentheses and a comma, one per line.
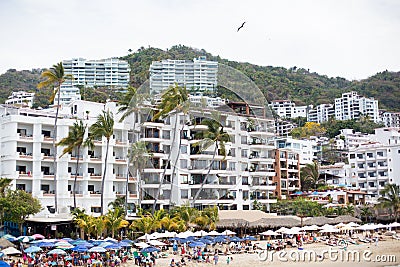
(386,253)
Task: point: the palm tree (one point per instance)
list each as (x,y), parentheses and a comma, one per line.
(174,99)
(365,213)
(55,77)
(215,135)
(104,126)
(309,176)
(114,220)
(75,140)
(4,184)
(138,155)
(391,199)
(350,210)
(82,220)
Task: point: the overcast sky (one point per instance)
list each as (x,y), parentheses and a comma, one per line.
(351,39)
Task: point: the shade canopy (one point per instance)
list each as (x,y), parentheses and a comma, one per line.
(269,232)
(32,249)
(57,251)
(11,251)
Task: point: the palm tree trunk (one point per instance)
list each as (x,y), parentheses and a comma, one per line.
(55,148)
(165,168)
(208,173)
(176,162)
(104,178)
(76,175)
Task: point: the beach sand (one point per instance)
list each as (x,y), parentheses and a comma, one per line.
(369,256)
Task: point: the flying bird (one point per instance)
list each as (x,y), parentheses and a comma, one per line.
(241,26)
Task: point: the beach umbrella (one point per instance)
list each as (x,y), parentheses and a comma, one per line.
(67,239)
(366,227)
(4,264)
(10,237)
(269,232)
(32,249)
(147,237)
(200,233)
(141,245)
(113,246)
(37,236)
(353,224)
(394,224)
(57,251)
(4,243)
(149,249)
(127,241)
(205,241)
(235,239)
(112,240)
(340,225)
(97,249)
(281,230)
(156,243)
(79,248)
(228,232)
(25,239)
(347,228)
(82,243)
(124,244)
(64,245)
(250,238)
(1,254)
(11,251)
(105,244)
(196,244)
(213,233)
(45,244)
(330,230)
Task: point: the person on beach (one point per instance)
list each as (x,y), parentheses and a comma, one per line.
(215,258)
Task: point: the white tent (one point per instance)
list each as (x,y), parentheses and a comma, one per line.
(340,225)
(367,227)
(293,231)
(281,230)
(329,230)
(353,224)
(310,228)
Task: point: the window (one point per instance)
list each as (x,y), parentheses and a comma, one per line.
(95,209)
(245,180)
(45,188)
(184,149)
(21,187)
(245,195)
(91,188)
(185,194)
(244,153)
(352,156)
(69,187)
(183,163)
(243,140)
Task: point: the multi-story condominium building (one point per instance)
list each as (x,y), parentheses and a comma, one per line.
(287,109)
(21,98)
(321,113)
(68,94)
(348,139)
(353,106)
(336,174)
(200,100)
(26,157)
(284,128)
(391,119)
(110,72)
(373,165)
(199,74)
(307,149)
(248,172)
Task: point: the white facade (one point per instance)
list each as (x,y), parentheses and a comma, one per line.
(199,100)
(353,106)
(337,174)
(287,109)
(391,119)
(68,94)
(198,74)
(307,149)
(348,139)
(27,157)
(321,113)
(110,72)
(21,98)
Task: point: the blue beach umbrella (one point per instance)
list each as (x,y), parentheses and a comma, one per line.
(150,249)
(32,249)
(4,264)
(80,249)
(197,244)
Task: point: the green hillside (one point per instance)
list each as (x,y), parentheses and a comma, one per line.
(296,84)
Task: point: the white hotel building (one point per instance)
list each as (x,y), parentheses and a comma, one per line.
(376,162)
(199,74)
(26,139)
(353,106)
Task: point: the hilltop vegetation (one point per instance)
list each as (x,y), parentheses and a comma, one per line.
(296,84)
